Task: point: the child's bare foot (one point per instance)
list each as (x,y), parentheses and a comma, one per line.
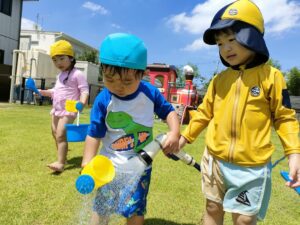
(56,167)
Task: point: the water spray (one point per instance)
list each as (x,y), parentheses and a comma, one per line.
(101,171)
(149,152)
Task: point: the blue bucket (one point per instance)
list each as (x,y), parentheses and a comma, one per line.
(76,133)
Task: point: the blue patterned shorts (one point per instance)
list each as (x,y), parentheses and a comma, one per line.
(126,195)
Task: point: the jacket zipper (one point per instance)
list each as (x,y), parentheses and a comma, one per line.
(234,117)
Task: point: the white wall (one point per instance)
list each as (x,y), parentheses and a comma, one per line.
(42,40)
(90,70)
(36,40)
(37,65)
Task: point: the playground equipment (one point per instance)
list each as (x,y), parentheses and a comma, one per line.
(183,99)
(75,132)
(149,152)
(98,172)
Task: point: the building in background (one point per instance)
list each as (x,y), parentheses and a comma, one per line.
(42,40)
(35,51)
(32,59)
(25,53)
(10,24)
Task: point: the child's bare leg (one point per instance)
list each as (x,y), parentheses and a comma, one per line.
(135,220)
(97,220)
(214,213)
(239,219)
(54,128)
(62,144)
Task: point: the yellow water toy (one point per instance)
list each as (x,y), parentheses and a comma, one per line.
(98,172)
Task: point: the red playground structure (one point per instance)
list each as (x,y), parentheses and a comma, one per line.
(184,99)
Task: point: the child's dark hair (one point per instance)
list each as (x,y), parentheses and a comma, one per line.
(122,71)
(73,62)
(227,31)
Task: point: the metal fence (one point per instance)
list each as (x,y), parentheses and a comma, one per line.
(24,95)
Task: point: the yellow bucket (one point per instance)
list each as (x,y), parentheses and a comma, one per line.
(101,169)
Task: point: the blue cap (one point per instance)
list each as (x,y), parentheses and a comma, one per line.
(124,50)
(85,184)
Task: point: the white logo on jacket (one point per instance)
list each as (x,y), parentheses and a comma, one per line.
(255,91)
(233,12)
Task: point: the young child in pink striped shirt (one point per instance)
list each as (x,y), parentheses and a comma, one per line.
(71,84)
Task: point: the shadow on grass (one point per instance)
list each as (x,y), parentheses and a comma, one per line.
(74,163)
(157,221)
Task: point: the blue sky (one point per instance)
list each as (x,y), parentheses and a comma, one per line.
(171,29)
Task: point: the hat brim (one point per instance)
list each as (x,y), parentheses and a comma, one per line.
(209,34)
(252,39)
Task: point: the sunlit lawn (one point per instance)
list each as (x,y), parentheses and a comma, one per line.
(31,194)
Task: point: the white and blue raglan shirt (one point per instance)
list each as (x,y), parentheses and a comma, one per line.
(124,124)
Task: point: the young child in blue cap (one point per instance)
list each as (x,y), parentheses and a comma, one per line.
(240,107)
(122,117)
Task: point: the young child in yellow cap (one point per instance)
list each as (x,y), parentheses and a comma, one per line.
(71,84)
(239,109)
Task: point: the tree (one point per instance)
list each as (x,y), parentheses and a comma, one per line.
(180,76)
(293,81)
(274,63)
(198,79)
(90,56)
(292,76)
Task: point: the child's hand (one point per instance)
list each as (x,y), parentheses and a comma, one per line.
(294,166)
(182,142)
(83,164)
(42,92)
(171,145)
(45,92)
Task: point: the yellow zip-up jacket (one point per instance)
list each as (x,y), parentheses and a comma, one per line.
(239,109)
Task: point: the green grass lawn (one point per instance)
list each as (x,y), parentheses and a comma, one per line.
(31,194)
